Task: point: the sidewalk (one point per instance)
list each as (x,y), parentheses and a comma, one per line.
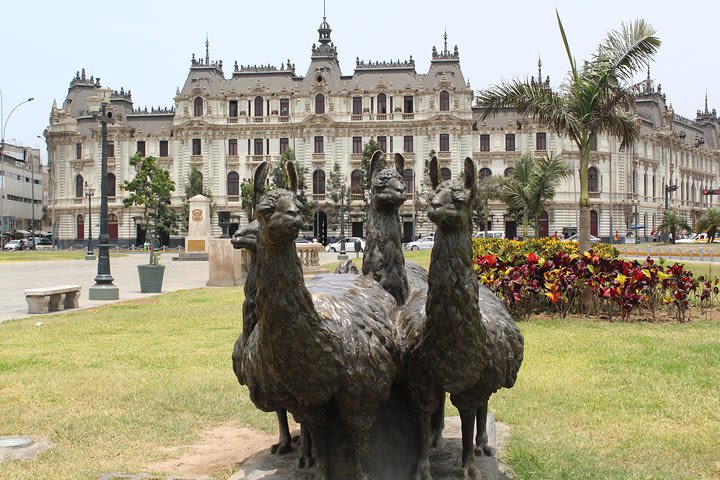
(16,277)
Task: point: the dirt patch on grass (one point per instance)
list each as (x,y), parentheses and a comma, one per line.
(218,448)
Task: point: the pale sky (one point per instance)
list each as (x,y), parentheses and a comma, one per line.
(146,46)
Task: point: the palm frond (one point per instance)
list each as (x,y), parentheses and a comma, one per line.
(626,51)
(573,67)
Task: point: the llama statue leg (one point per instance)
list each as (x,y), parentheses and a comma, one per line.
(467,422)
(481,438)
(284,440)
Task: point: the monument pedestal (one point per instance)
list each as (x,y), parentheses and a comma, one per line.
(445,460)
(224,264)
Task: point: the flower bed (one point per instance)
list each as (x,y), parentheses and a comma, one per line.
(556,278)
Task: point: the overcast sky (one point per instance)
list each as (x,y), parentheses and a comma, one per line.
(146,46)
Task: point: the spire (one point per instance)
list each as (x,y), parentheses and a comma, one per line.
(445,54)
(207,50)
(539,69)
(706,105)
(445,39)
(326,49)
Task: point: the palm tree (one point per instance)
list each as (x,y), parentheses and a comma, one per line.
(710,223)
(531,185)
(671,223)
(596,99)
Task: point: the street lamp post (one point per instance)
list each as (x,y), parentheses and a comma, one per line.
(103,288)
(669,188)
(89,192)
(342,256)
(3,123)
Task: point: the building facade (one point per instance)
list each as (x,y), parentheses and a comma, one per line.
(23,185)
(226,126)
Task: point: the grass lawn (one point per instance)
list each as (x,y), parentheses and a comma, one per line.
(41,255)
(114,385)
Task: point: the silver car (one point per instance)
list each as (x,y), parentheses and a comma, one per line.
(423,243)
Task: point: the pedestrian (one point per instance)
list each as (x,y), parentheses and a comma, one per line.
(555,235)
(617,237)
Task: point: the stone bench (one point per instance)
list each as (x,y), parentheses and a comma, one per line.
(52,299)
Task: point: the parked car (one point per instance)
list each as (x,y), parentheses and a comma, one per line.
(349,245)
(489,234)
(423,243)
(302,240)
(574,238)
(16,245)
(694,238)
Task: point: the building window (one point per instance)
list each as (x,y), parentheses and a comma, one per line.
(509,142)
(233,108)
(445,174)
(593,144)
(111,185)
(484,142)
(381,103)
(592,179)
(80,227)
(357,106)
(284,144)
(232,146)
(318,182)
(594,223)
(444,101)
(163,148)
(408,144)
(79,185)
(198,107)
(645,190)
(409,179)
(319,103)
(485,173)
(233,184)
(78,151)
(382,143)
(113,226)
(356,182)
(357,146)
(110,150)
(319,145)
(140,147)
(540,141)
(196,146)
(284,107)
(259,106)
(408,104)
(653,186)
(508,172)
(444,142)
(258,146)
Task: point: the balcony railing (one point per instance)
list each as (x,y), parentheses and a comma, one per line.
(444,155)
(255,159)
(409,155)
(356,117)
(232,159)
(258,119)
(319,197)
(283,119)
(233,198)
(381,116)
(318,157)
(232,119)
(356,196)
(356,157)
(408,116)
(196,159)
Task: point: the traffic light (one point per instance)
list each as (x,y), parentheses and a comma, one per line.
(711,191)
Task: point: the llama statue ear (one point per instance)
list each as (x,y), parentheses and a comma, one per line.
(291,176)
(376,162)
(470,177)
(434,172)
(258,181)
(399,163)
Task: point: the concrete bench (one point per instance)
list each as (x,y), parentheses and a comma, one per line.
(52,299)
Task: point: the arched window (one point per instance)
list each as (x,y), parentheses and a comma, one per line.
(79,185)
(508,172)
(409,179)
(319,103)
(113,226)
(485,173)
(594,223)
(543,224)
(356,182)
(198,107)
(382,103)
(592,179)
(444,101)
(445,174)
(111,185)
(318,182)
(233,184)
(80,227)
(258,106)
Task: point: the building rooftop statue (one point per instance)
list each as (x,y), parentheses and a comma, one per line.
(389,65)
(445,54)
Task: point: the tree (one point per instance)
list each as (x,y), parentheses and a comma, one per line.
(337,193)
(277,180)
(596,99)
(151,189)
(423,192)
(514,191)
(488,190)
(709,222)
(195,186)
(672,222)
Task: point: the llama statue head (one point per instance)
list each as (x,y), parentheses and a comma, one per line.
(451,203)
(278,211)
(386,183)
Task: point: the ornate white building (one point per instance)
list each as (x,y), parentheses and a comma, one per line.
(227,126)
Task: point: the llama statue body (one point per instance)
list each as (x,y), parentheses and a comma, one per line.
(247,238)
(469,346)
(326,352)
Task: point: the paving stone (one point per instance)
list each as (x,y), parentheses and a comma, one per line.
(22,448)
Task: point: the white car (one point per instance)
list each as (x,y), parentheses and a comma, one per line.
(423,243)
(694,238)
(16,245)
(574,238)
(489,234)
(349,245)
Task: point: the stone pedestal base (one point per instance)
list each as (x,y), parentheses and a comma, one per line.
(224,263)
(192,257)
(445,460)
(103,292)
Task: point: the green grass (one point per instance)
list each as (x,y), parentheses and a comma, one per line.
(41,255)
(113,385)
